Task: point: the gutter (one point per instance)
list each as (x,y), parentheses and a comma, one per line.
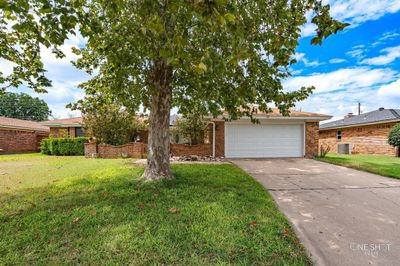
(314,118)
(361,124)
(61,125)
(213,146)
(24,128)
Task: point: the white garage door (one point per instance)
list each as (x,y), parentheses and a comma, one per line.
(263,140)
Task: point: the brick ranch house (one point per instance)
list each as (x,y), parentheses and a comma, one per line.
(17,136)
(67,127)
(366,133)
(275,136)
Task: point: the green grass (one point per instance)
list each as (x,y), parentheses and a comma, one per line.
(100,213)
(378,164)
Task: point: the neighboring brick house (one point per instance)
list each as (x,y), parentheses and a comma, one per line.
(67,127)
(366,133)
(17,136)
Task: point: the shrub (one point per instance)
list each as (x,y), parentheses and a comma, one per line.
(192,127)
(63,146)
(113,125)
(324,150)
(394,136)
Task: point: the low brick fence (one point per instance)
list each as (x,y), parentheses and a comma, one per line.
(187,150)
(139,150)
(134,150)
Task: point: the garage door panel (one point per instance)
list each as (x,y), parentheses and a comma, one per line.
(265,140)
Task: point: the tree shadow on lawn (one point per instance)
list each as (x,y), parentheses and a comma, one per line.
(207,215)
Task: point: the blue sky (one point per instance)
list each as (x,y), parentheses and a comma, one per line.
(360,64)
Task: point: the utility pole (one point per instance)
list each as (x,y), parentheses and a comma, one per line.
(359,108)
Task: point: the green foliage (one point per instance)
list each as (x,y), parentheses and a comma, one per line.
(394,136)
(221,54)
(191,127)
(63,146)
(113,124)
(23,106)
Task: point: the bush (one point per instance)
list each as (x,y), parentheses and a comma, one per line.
(63,146)
(394,136)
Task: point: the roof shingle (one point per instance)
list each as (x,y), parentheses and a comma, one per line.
(12,123)
(377,116)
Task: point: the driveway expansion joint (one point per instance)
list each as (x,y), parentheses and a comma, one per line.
(328,188)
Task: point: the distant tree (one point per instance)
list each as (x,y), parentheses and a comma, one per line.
(191,127)
(394,136)
(23,106)
(113,125)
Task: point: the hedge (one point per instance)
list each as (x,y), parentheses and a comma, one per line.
(63,146)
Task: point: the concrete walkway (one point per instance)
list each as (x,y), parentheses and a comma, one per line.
(342,216)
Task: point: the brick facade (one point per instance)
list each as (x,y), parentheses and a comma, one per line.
(62,132)
(15,141)
(187,150)
(312,136)
(219,138)
(372,139)
(139,150)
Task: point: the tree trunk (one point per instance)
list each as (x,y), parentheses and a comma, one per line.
(160,106)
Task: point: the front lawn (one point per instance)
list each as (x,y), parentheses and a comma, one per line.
(378,164)
(98,212)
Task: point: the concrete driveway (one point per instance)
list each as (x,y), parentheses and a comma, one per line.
(343,216)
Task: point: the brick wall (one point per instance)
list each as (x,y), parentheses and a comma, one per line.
(91,150)
(187,150)
(134,150)
(311,149)
(365,139)
(15,141)
(219,138)
(138,150)
(62,132)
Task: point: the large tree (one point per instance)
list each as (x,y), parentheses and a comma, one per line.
(219,54)
(23,106)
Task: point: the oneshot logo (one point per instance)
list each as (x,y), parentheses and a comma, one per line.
(371,249)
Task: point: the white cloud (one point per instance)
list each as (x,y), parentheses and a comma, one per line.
(390,90)
(300,57)
(50,59)
(355,12)
(357,52)
(347,78)
(308,29)
(337,60)
(392,53)
(338,92)
(6,67)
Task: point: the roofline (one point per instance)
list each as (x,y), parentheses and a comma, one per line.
(312,118)
(24,128)
(62,125)
(361,124)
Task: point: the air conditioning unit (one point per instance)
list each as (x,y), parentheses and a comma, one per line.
(344,148)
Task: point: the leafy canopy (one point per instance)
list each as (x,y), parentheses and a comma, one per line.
(224,54)
(394,136)
(113,125)
(192,127)
(23,106)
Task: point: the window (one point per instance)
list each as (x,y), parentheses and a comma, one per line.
(339,135)
(79,132)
